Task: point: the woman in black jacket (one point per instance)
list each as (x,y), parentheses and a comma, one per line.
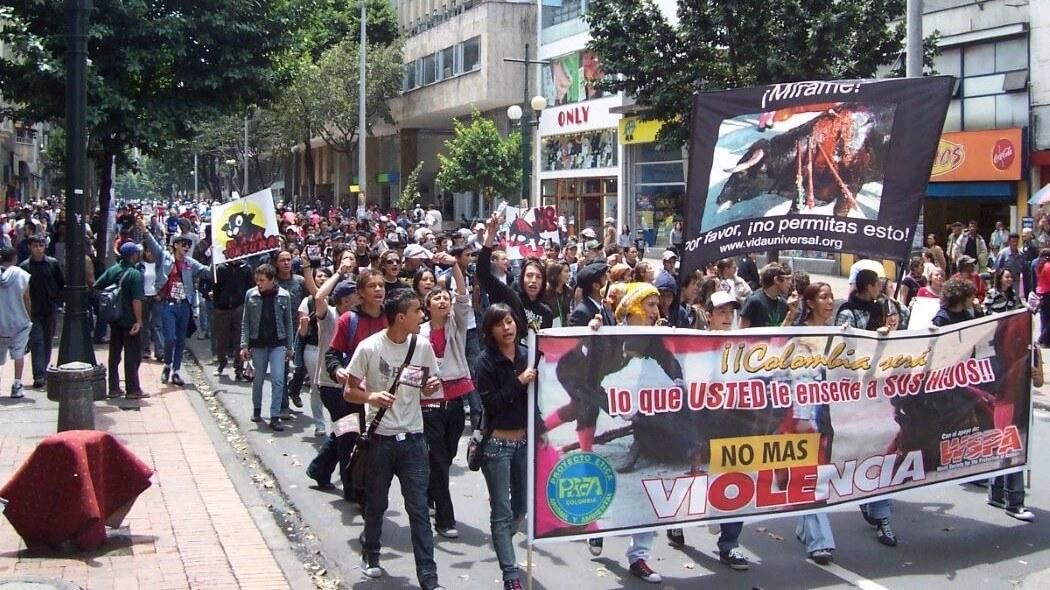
(503,377)
(525,297)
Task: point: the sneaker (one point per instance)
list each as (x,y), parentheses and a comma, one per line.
(370,567)
(449,533)
(275,425)
(165,374)
(432,586)
(514,584)
(38,383)
(676,537)
(219,370)
(320,432)
(120,393)
(286,414)
(321,484)
(176,380)
(884,533)
(643,571)
(296,399)
(734,559)
(257,415)
(16,391)
(595,546)
(997,503)
(136,395)
(821,556)
(1020,513)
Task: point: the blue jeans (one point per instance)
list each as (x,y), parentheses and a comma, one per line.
(408,460)
(272,358)
(1008,488)
(153,316)
(814,530)
(878,509)
(640,546)
(730,533)
(176,318)
(506,471)
(473,399)
(204,314)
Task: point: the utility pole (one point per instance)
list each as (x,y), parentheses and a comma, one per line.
(527,107)
(913,46)
(244,188)
(76,337)
(362,119)
(196,193)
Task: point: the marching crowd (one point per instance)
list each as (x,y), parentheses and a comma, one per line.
(388,314)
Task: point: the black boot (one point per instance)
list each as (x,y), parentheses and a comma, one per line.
(275,425)
(256,415)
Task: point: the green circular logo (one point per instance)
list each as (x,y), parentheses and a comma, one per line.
(580,488)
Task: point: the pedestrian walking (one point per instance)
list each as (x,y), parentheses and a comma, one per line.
(46,292)
(398,368)
(266,332)
(15,321)
(232,282)
(125,332)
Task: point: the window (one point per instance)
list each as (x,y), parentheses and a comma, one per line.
(430,69)
(580,151)
(409,80)
(561,19)
(994,82)
(472,54)
(448,62)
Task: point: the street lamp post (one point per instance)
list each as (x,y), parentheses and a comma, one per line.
(76,335)
(233,173)
(518,115)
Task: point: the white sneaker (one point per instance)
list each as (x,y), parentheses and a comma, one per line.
(449,533)
(371,568)
(16,390)
(319,431)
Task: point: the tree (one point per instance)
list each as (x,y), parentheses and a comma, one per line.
(410,189)
(479,160)
(156,67)
(721,44)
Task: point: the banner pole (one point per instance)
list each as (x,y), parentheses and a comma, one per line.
(528,565)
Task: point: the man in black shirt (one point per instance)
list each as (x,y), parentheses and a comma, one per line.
(233,280)
(46,287)
(768,306)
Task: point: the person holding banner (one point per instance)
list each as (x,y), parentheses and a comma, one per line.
(863,311)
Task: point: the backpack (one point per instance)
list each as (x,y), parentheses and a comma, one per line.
(109,301)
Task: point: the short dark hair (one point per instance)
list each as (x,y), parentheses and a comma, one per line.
(8,254)
(398,303)
(266,270)
(769,273)
(494,315)
(957,291)
(36,240)
(458,251)
(866,278)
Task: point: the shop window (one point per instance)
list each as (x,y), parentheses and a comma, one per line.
(980,59)
(580,151)
(472,54)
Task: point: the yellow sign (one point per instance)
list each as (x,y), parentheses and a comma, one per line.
(758,453)
(634,130)
(355,188)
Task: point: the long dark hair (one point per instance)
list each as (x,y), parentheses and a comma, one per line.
(494,315)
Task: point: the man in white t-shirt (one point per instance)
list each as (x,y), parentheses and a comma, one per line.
(399,446)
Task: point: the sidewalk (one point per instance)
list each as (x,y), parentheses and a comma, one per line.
(190,529)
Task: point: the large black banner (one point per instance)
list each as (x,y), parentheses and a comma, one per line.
(833,166)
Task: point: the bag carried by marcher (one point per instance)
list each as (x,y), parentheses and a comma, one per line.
(476,448)
(357,466)
(109,300)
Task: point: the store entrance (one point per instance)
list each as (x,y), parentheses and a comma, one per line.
(585,202)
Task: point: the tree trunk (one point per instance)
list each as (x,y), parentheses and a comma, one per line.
(308,171)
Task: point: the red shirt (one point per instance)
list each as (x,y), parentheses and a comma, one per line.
(174,276)
(345,342)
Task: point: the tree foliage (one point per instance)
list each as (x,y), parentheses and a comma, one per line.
(410,189)
(721,44)
(477,159)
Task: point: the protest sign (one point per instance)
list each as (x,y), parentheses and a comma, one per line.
(527,231)
(836,166)
(690,426)
(244,227)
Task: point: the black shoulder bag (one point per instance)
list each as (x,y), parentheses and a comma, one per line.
(357,466)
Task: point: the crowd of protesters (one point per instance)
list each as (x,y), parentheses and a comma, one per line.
(366,311)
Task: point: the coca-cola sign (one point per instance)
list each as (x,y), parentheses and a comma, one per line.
(1003,154)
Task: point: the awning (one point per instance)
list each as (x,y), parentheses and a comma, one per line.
(971,190)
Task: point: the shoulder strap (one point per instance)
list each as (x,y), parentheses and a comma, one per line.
(374,424)
(354,321)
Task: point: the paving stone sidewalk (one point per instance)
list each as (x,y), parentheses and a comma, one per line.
(190,529)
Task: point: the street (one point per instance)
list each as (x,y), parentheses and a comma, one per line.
(948,535)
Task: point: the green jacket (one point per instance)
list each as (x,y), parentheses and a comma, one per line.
(131,289)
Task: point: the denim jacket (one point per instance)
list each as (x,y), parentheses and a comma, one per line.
(282,310)
(165,260)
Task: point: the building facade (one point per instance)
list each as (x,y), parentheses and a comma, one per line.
(22,159)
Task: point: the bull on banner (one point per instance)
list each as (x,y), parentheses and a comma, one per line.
(244,227)
(528,231)
(697,426)
(838,166)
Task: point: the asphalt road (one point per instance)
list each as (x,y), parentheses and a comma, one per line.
(948,535)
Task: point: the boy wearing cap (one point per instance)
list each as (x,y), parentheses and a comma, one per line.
(125,332)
